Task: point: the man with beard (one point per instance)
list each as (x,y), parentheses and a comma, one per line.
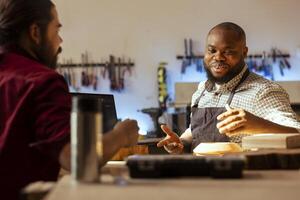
(233,102)
(35,103)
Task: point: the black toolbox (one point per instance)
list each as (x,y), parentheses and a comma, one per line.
(168,166)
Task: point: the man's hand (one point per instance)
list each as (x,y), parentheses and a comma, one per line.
(171,142)
(128,132)
(124,134)
(235,121)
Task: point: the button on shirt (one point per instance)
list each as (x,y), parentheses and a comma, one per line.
(256,95)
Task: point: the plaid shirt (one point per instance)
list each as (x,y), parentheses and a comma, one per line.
(256,95)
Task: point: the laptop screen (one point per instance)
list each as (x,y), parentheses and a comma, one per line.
(108,109)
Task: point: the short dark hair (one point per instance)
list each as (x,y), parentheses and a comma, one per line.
(16,16)
(231,27)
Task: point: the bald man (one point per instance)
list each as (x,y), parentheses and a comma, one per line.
(233,101)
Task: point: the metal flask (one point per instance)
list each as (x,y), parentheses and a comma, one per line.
(86,138)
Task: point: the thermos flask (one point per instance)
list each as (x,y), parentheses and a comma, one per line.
(86,138)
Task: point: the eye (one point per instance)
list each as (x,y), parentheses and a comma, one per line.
(229,52)
(211,51)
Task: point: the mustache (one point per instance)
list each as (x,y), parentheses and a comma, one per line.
(219,64)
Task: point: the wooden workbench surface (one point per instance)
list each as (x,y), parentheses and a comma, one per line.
(255,185)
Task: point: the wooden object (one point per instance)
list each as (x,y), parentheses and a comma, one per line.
(217,148)
(277,141)
(275,185)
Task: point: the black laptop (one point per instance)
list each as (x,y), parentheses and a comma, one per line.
(108,109)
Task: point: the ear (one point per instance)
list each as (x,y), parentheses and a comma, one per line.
(35,33)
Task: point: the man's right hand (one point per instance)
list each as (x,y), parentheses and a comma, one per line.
(171,142)
(128,132)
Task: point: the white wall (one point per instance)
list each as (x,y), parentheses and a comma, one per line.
(150,31)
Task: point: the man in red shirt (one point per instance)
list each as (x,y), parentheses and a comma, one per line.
(35,102)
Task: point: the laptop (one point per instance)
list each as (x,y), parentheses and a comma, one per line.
(108,109)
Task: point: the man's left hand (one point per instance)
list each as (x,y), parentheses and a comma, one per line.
(235,121)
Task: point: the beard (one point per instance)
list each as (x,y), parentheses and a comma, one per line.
(235,70)
(47,55)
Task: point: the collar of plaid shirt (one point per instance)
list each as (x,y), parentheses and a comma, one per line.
(226,87)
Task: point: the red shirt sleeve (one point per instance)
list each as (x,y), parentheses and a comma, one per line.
(51,111)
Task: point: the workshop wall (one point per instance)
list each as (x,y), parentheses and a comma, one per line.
(151,31)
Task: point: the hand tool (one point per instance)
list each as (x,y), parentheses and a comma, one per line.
(185,59)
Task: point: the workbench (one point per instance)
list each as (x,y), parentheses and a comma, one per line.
(115,184)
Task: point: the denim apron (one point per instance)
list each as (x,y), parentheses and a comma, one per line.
(204,120)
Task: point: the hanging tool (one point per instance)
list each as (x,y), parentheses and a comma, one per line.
(122,74)
(250,63)
(112,73)
(162,86)
(87,74)
(199,65)
(281,67)
(286,62)
(94,78)
(118,75)
(73,76)
(128,66)
(255,65)
(273,54)
(185,57)
(90,72)
(191,53)
(83,73)
(193,59)
(105,70)
(69,74)
(264,65)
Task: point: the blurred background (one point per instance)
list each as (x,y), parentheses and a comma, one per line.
(136,37)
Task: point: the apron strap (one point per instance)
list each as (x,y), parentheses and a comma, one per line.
(245,75)
(198,99)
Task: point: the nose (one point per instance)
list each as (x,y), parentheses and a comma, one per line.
(219,56)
